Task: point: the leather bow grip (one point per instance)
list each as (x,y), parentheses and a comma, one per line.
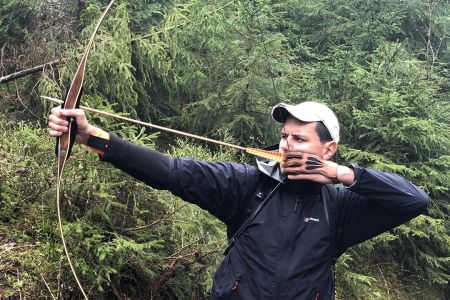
(68,139)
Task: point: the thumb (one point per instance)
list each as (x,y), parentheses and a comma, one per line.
(82,123)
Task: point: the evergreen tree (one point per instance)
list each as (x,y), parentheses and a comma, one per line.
(217,68)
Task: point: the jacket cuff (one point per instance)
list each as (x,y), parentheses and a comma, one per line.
(117,147)
(358,174)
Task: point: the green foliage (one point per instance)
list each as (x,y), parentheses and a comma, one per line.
(14,14)
(216,68)
(120,233)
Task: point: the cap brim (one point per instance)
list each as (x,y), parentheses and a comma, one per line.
(282,111)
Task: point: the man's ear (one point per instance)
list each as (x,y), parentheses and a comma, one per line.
(329,150)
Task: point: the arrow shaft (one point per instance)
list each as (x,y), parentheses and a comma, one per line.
(150,125)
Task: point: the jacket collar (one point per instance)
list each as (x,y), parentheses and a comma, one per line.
(269,167)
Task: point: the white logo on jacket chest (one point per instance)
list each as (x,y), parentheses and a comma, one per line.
(306,220)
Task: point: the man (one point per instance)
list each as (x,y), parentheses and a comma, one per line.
(286,250)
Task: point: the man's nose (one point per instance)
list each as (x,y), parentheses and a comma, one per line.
(284,145)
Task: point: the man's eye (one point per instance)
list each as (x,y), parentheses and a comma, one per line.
(284,136)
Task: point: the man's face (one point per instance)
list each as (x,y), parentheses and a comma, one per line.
(302,136)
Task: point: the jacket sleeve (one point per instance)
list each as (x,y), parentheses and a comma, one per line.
(147,165)
(221,188)
(376,202)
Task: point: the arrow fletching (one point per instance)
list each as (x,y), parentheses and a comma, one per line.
(275,156)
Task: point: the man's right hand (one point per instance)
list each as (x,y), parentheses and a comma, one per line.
(57,121)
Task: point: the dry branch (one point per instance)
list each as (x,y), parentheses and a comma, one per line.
(30,71)
(163,218)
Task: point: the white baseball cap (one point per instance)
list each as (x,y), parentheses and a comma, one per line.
(308,112)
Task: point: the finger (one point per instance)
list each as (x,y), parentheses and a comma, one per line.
(307,169)
(58,120)
(292,163)
(299,176)
(291,171)
(57,111)
(311,177)
(55,133)
(56,127)
(293,154)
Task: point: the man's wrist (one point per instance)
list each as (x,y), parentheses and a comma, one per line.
(98,141)
(91,131)
(97,132)
(345,175)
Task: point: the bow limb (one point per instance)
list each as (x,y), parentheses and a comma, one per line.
(64,141)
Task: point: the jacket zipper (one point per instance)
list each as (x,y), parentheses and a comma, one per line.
(297,205)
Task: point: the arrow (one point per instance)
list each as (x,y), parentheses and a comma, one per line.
(275,156)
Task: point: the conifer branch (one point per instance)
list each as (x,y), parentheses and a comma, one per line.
(61,61)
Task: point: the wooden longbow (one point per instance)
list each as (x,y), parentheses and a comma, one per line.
(65,141)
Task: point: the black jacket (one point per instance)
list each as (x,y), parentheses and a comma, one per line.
(286,251)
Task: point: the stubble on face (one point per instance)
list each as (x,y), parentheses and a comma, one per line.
(300,136)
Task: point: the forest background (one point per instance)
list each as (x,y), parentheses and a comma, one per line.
(215,68)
